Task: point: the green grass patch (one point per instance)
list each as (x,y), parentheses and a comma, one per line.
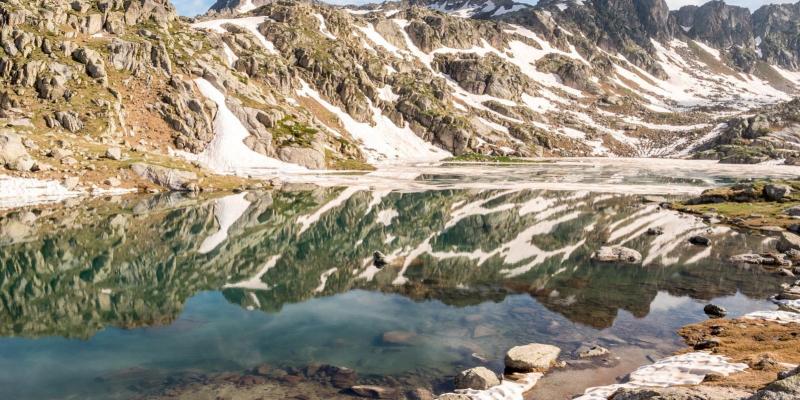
(481,158)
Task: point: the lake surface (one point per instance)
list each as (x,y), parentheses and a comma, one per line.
(119,297)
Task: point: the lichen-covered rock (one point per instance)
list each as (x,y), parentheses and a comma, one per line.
(12,150)
(534,357)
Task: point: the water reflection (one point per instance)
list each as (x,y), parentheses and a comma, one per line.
(287,277)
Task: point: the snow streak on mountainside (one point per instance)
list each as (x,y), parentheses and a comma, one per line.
(534,84)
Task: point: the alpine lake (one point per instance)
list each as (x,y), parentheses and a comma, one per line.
(161,295)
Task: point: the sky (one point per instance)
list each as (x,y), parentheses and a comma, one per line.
(195,7)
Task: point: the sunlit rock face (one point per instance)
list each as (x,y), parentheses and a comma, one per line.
(134,262)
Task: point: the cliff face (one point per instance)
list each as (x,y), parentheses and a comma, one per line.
(89,86)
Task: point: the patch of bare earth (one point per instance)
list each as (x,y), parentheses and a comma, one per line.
(766,347)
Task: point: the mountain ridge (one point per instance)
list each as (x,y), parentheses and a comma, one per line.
(282,86)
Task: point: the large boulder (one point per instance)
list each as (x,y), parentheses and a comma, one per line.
(95,67)
(11,148)
(784,389)
(479,378)
(534,357)
(305,156)
(774,192)
(788,241)
(169,178)
(617,254)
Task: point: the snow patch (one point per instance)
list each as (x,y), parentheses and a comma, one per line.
(684,369)
(227,152)
(384,141)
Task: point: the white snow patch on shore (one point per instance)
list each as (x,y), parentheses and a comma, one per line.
(227,152)
(19,192)
(684,369)
(783,317)
(227,211)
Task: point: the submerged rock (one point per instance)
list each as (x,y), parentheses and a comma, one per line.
(699,240)
(592,351)
(374,392)
(479,378)
(617,254)
(715,311)
(397,338)
(534,357)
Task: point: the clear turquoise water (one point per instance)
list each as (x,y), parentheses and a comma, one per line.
(112,298)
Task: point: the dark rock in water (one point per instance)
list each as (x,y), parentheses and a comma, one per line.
(397,338)
(340,377)
(379,259)
(715,311)
(698,240)
(707,344)
(655,231)
(374,392)
(592,350)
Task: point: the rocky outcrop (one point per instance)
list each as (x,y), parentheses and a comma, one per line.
(190,116)
(489,74)
(13,154)
(169,178)
(479,378)
(533,357)
(778,34)
(721,25)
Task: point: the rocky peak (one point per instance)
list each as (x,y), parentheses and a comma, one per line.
(777,33)
(718,24)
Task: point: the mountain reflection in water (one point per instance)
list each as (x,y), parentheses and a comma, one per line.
(287,277)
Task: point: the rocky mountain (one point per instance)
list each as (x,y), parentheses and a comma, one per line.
(91,87)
